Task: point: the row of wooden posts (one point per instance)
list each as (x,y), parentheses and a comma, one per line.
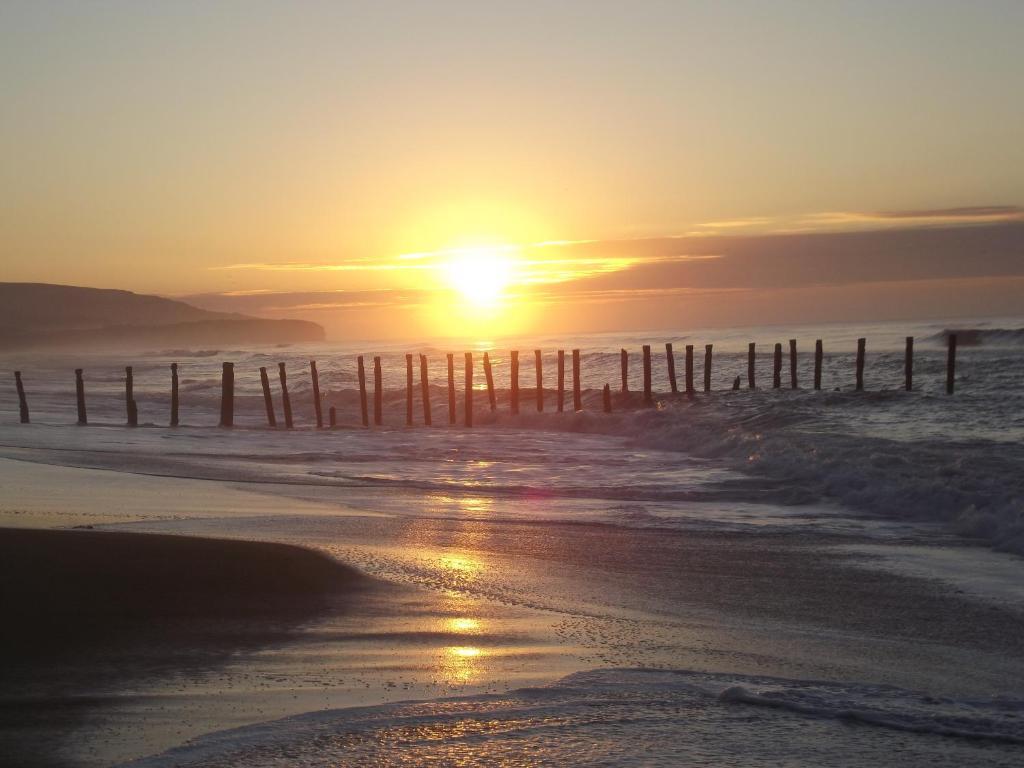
(227,405)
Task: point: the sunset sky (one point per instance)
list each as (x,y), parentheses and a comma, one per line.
(568,166)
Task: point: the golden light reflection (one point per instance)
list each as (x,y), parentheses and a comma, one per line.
(463,625)
(462,663)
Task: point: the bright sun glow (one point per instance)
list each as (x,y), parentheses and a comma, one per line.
(481,274)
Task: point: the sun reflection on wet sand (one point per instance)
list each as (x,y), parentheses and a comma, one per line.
(461,664)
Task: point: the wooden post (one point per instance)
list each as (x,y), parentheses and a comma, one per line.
(561,380)
(332,414)
(489,375)
(777,368)
(363,408)
(378,393)
(736,384)
(451,388)
(80,396)
(607,398)
(707,367)
(513,394)
(624,365)
(792,364)
(751,359)
(22,401)
(286,400)
(317,405)
(425,390)
(951,364)
(469,389)
(648,395)
(227,395)
(689,369)
(819,355)
(908,365)
(408,390)
(577,397)
(538,365)
(129,397)
(671,358)
(860,363)
(268,401)
(174,394)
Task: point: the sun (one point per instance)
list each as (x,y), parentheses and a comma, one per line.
(481,273)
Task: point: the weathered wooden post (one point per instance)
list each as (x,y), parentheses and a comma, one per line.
(671,359)
(648,394)
(860,363)
(689,369)
(451,388)
(736,384)
(332,415)
(561,380)
(538,366)
(469,389)
(227,395)
(751,359)
(792,364)
(624,365)
(489,376)
(408,390)
(378,393)
(363,407)
(777,368)
(577,396)
(951,364)
(819,355)
(513,393)
(317,404)
(286,400)
(425,390)
(129,397)
(22,400)
(80,397)
(268,401)
(606,397)
(174,394)
(707,367)
(908,365)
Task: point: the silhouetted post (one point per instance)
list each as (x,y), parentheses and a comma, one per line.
(22,401)
(268,401)
(363,408)
(174,394)
(860,363)
(332,414)
(577,396)
(317,405)
(908,365)
(561,380)
(648,395)
(408,390)
(227,395)
(489,376)
(751,359)
(451,388)
(792,364)
(425,390)
(777,367)
(378,393)
(286,400)
(707,367)
(606,398)
(513,394)
(538,365)
(469,389)
(689,369)
(80,396)
(951,364)
(129,397)
(819,354)
(736,384)
(671,358)
(624,365)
